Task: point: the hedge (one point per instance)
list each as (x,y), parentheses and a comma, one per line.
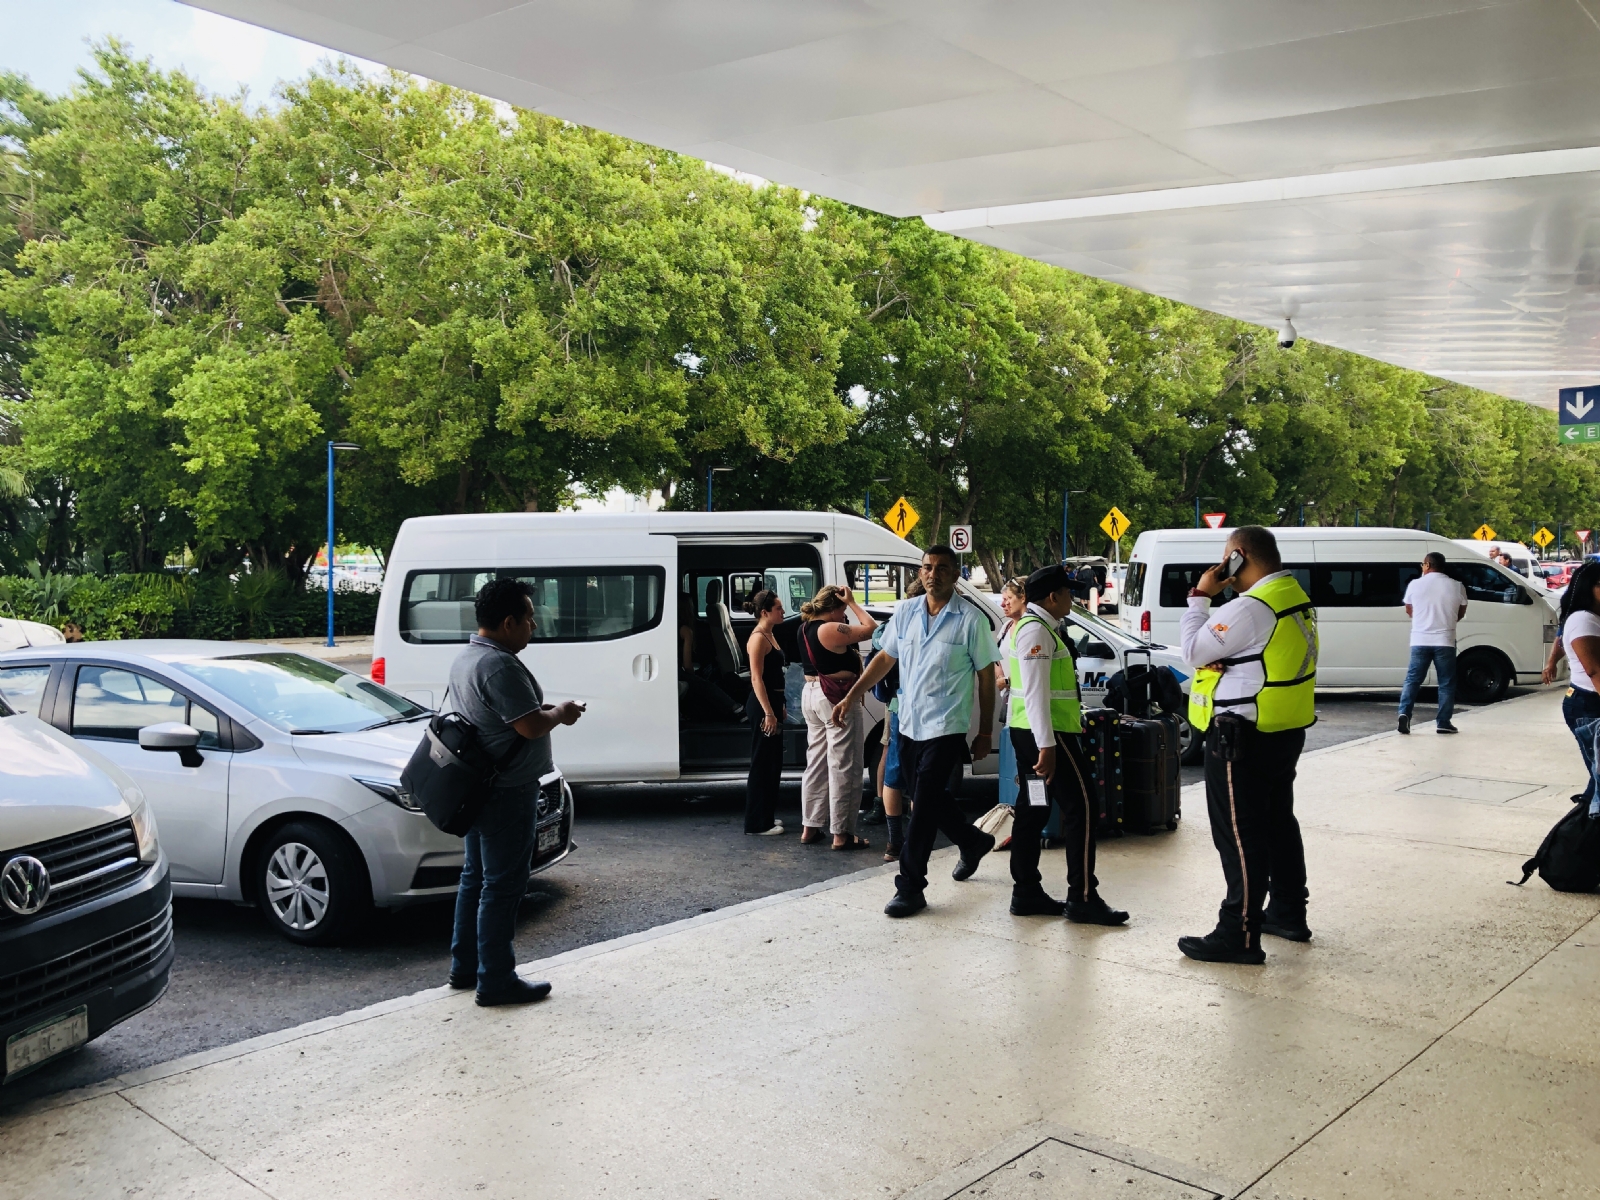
(258,606)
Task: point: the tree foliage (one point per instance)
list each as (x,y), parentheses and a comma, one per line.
(505,311)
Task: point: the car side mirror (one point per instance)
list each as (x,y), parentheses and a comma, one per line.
(1098,650)
(173,736)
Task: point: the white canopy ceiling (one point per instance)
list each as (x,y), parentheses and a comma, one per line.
(1410,179)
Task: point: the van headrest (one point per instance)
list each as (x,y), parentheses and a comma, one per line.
(714,592)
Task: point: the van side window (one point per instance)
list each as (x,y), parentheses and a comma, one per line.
(1484,583)
(879,582)
(1361,585)
(1178,578)
(1133,585)
(570,604)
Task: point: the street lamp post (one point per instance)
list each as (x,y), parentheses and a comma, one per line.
(1197,500)
(1427,522)
(332,446)
(1305,504)
(1066,501)
(710,474)
(866,509)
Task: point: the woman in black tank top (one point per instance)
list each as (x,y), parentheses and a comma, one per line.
(830,791)
(765,710)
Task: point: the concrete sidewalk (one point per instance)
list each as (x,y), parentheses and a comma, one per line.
(1437,1038)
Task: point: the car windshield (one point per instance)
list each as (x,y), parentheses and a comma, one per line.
(303,695)
(1107,632)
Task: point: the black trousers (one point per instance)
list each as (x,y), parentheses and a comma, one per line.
(926,768)
(1251,804)
(1069,789)
(766,771)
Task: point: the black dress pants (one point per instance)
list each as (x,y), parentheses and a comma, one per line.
(1069,789)
(1251,805)
(766,771)
(926,768)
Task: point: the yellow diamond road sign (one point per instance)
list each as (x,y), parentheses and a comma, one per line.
(901,517)
(1115,523)
(1544,537)
(1483,533)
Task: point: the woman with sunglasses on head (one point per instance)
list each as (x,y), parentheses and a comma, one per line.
(830,790)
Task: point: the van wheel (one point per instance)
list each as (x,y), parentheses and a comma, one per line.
(1191,746)
(311,884)
(1482,677)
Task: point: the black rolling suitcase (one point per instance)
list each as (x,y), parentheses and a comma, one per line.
(1151,755)
(1103,747)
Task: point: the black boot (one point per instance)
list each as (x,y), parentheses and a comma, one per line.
(965,867)
(1094,911)
(1291,928)
(876,817)
(1219,946)
(905,904)
(1034,902)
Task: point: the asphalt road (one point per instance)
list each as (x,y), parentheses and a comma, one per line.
(646,855)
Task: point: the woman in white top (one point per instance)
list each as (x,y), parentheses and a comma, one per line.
(1579,639)
(1013,602)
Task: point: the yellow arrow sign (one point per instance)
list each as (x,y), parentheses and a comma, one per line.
(901,517)
(1115,523)
(1483,533)
(1544,537)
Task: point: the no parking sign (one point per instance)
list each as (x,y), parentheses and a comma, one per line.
(961,539)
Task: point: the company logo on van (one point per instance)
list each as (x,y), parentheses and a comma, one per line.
(24,885)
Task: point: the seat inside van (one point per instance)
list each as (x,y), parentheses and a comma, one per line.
(716,580)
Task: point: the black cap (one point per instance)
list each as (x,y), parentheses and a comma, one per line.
(1045,582)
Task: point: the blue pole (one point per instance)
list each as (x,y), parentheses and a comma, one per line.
(1358,518)
(866,508)
(330,543)
(1197,512)
(709,474)
(1066,500)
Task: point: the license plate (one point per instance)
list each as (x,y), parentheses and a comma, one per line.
(549,838)
(44,1041)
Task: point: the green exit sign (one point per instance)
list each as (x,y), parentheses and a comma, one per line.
(1580,433)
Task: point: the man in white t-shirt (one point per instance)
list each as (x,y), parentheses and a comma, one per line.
(1434,602)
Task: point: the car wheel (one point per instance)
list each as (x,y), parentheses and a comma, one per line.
(1191,745)
(1482,677)
(311,884)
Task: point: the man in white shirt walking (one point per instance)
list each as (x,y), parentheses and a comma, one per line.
(1435,603)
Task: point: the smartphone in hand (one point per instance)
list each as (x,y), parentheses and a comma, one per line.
(1232,565)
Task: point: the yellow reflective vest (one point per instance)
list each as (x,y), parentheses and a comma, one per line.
(1065,709)
(1286,699)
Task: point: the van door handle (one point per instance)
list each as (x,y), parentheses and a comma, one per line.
(644,667)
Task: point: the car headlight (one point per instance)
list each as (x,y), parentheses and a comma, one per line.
(144,828)
(391,790)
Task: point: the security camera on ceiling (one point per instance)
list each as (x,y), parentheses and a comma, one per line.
(1287,336)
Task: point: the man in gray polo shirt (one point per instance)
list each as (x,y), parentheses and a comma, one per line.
(492,689)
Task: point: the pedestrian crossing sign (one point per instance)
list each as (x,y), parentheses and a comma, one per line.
(1115,523)
(901,517)
(1483,533)
(1544,537)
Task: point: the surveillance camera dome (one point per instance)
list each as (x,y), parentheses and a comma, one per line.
(1286,334)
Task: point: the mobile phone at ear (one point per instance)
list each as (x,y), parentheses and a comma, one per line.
(1232,565)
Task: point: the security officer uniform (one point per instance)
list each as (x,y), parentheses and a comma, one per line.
(1045,706)
(1255,663)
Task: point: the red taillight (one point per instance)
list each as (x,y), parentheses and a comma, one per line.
(378,670)
(1144,625)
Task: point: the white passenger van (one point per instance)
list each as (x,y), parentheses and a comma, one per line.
(612,591)
(1521,560)
(1357,579)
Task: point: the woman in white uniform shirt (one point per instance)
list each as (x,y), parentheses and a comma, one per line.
(1580,640)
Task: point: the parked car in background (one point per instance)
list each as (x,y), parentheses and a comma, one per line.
(1556,575)
(17,634)
(1357,579)
(276,777)
(85,898)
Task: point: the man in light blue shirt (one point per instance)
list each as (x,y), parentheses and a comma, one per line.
(940,643)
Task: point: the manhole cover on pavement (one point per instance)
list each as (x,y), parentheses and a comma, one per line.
(1471,787)
(1055,1170)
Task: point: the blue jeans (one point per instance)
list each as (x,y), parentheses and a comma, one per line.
(494,876)
(1443,660)
(891,750)
(1579,708)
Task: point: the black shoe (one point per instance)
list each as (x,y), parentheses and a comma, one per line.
(905,904)
(1293,929)
(1036,904)
(461,984)
(1094,912)
(1405,723)
(1445,729)
(518,991)
(965,868)
(876,817)
(1213,948)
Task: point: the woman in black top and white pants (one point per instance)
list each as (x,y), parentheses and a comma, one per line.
(764,708)
(830,791)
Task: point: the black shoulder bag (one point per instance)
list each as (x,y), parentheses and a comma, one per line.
(450,774)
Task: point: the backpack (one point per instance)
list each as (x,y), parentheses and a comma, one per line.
(1569,857)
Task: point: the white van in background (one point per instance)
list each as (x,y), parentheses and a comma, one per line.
(1357,579)
(1521,558)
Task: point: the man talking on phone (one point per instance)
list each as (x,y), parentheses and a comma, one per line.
(1255,663)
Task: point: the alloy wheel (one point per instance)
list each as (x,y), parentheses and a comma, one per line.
(297,886)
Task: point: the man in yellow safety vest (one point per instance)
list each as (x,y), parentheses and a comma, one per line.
(1044,723)
(1255,662)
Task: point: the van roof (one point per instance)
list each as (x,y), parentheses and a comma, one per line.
(1297,532)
